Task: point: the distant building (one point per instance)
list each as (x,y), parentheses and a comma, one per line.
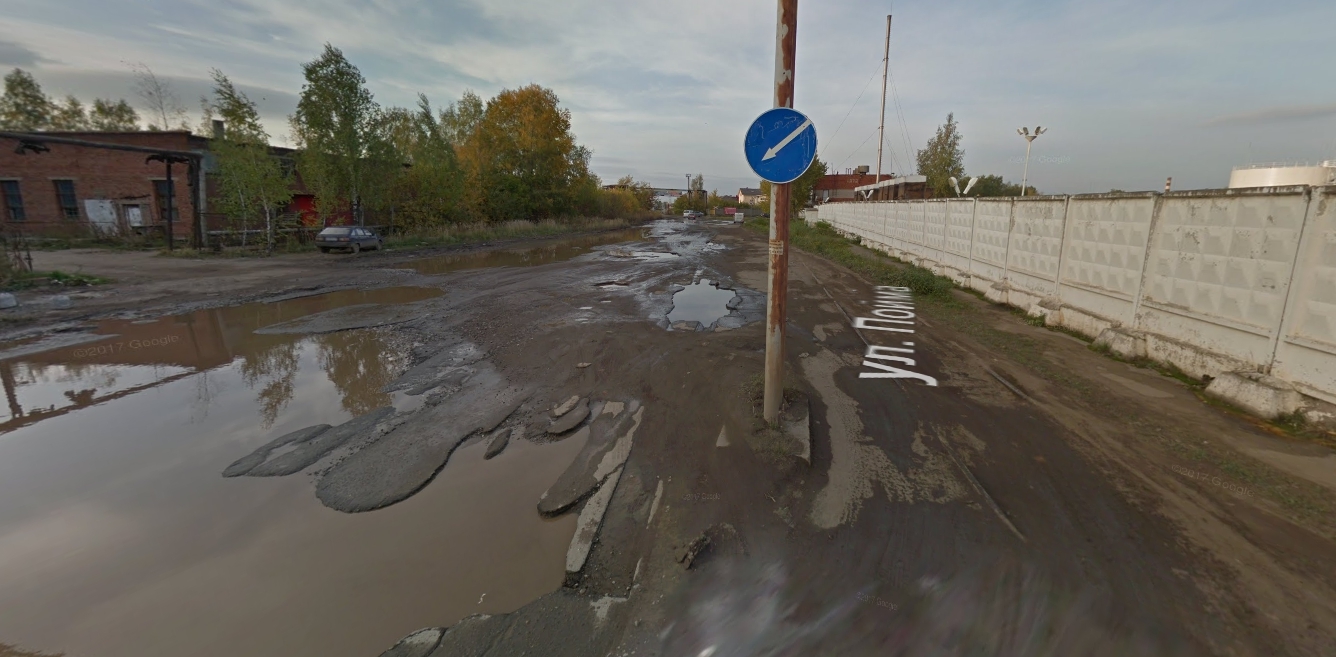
(842,187)
(68,189)
(664,197)
(1283,175)
(75,184)
(751,195)
(895,189)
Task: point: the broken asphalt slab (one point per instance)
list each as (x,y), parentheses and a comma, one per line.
(406,459)
(497,443)
(418,644)
(306,453)
(586,526)
(609,445)
(569,420)
(248,462)
(446,368)
(560,624)
(565,406)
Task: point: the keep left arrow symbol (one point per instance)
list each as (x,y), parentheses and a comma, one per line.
(774,150)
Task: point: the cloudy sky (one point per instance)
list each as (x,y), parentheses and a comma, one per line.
(1130,91)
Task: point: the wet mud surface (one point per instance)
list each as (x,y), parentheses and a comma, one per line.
(547,455)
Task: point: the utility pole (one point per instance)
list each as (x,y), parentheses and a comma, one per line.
(885,70)
(786,46)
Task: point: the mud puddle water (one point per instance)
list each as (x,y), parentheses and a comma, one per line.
(555,251)
(119,537)
(702,302)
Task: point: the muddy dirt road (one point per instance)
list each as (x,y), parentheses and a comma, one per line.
(552,448)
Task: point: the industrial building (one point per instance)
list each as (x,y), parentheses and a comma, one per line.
(1283,175)
(859,185)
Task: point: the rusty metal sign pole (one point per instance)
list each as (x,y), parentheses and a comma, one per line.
(786,42)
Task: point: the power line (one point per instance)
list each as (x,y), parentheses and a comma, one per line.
(855,151)
(831,139)
(900,114)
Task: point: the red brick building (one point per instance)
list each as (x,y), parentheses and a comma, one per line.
(73,190)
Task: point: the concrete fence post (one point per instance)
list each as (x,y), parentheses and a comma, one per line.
(1145,260)
(1006,253)
(1062,247)
(1314,203)
(974,220)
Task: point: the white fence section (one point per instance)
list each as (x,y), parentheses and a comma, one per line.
(1211,281)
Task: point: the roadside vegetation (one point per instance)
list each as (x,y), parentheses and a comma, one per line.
(456,234)
(418,173)
(57,279)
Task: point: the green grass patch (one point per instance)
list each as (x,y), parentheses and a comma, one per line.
(822,239)
(56,278)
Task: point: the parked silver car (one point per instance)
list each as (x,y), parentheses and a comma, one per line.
(352,238)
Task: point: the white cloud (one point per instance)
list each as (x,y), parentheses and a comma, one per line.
(665,88)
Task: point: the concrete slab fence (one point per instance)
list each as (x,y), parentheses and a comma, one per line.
(1238,285)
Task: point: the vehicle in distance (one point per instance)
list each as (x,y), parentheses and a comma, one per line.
(352,238)
(692,214)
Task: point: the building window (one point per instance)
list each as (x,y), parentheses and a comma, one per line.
(160,188)
(69,205)
(9,189)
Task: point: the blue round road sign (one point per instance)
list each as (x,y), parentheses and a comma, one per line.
(780,145)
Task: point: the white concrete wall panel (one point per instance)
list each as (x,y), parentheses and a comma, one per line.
(956,243)
(1213,270)
(959,222)
(992,225)
(934,230)
(900,221)
(1104,252)
(916,227)
(1218,270)
(1106,244)
(1306,354)
(1036,237)
(1226,259)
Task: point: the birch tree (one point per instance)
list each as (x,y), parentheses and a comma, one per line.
(252,180)
(337,128)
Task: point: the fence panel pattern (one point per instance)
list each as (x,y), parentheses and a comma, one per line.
(1209,270)
(1036,238)
(934,230)
(1226,259)
(1307,351)
(992,224)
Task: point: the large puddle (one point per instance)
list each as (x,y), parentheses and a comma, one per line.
(556,251)
(119,537)
(702,302)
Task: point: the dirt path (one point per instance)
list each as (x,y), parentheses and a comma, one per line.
(977,485)
(1040,499)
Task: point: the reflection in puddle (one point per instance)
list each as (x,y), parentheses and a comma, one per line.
(555,251)
(137,355)
(700,302)
(118,537)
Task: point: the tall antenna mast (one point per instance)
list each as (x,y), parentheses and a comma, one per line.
(885,68)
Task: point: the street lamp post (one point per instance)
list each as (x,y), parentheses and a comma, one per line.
(1029,139)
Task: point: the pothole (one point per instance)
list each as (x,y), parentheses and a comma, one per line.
(702,302)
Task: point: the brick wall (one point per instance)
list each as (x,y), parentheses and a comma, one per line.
(121,177)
